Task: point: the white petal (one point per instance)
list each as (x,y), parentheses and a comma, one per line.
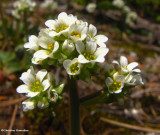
(123,61)
(115,75)
(66,64)
(32,94)
(62,16)
(136,70)
(53,34)
(80,47)
(132,65)
(119,78)
(101,44)
(31,70)
(45,41)
(138,80)
(51,24)
(91,46)
(101,51)
(115,62)
(31,46)
(46,84)
(101,38)
(33,38)
(56,46)
(36,60)
(118,91)
(74,61)
(41,74)
(108,81)
(27,78)
(22,89)
(82,59)
(100,59)
(92,30)
(28,105)
(41,54)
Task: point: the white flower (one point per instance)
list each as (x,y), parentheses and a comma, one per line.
(53,95)
(28,105)
(32,44)
(127,68)
(91,7)
(33,83)
(36,60)
(60,25)
(99,39)
(44,33)
(72,66)
(90,52)
(49,4)
(49,47)
(68,46)
(80,22)
(118,3)
(77,32)
(133,79)
(15,13)
(126,9)
(131,16)
(24,4)
(116,84)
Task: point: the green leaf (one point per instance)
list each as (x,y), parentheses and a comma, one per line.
(12,67)
(59,89)
(6,57)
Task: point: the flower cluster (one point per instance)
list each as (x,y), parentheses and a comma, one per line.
(122,75)
(91,7)
(40,88)
(21,6)
(49,4)
(69,42)
(130,15)
(118,3)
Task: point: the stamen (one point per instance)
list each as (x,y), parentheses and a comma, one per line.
(89,55)
(74,68)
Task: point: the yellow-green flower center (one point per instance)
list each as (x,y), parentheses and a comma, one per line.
(115,86)
(36,86)
(50,48)
(75,34)
(91,35)
(52,94)
(61,27)
(89,55)
(74,68)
